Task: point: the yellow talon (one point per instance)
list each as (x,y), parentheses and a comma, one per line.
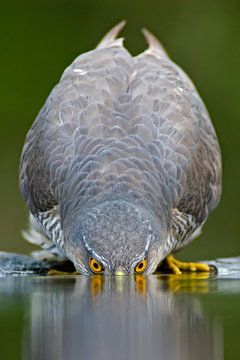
(54,272)
(177,267)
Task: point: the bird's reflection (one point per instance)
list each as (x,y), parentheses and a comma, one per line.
(119,318)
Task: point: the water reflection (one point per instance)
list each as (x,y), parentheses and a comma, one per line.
(119,318)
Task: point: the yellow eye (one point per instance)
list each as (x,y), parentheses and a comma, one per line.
(95,266)
(141,266)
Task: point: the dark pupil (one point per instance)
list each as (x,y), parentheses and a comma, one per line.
(140,266)
(95,265)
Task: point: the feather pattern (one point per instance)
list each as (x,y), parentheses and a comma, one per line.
(114,122)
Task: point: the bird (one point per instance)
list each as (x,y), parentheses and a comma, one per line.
(122,165)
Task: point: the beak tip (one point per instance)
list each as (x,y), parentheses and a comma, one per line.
(120,273)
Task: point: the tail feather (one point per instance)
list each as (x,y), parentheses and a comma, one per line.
(154,45)
(110,38)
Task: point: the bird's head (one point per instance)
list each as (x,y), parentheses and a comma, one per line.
(115,237)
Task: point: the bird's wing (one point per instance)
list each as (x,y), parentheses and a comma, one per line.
(76,113)
(188,148)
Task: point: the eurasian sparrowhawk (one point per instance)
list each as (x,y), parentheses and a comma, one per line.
(122,165)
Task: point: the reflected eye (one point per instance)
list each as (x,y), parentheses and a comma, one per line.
(141,266)
(95,266)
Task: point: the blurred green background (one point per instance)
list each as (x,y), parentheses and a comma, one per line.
(40,38)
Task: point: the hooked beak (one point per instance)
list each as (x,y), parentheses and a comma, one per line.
(120,272)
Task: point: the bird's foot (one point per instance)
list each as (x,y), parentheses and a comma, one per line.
(173,266)
(55,272)
(61,268)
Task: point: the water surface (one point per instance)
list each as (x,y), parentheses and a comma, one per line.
(155,317)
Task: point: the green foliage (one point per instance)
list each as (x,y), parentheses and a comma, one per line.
(40,38)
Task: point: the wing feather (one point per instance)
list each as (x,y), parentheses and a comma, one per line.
(114,118)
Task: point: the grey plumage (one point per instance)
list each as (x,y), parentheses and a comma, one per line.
(122,162)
